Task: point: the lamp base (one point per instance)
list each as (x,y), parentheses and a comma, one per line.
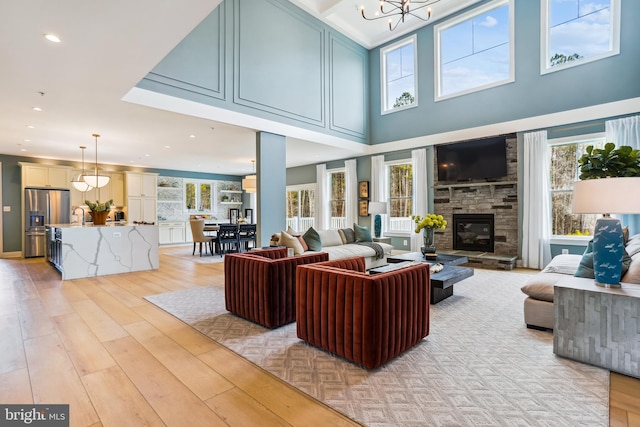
(377,225)
(608,247)
(608,285)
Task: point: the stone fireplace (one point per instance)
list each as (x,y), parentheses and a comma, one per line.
(473,232)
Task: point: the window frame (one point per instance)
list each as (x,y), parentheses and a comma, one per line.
(439,28)
(328,204)
(298,188)
(387,196)
(198,194)
(413,39)
(614,33)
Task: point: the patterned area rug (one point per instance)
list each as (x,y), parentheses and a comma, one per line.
(479,366)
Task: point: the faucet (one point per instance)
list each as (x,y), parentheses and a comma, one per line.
(73,211)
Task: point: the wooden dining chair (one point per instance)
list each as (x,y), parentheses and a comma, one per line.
(228,238)
(246,234)
(197,230)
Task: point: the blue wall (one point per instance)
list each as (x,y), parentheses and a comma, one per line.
(269,59)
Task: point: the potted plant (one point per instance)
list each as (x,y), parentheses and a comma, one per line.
(99,211)
(609,162)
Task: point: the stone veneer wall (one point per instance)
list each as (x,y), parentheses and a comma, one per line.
(498,197)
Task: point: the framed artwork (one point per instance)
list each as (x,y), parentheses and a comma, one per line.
(248,214)
(363,189)
(363,207)
(234,214)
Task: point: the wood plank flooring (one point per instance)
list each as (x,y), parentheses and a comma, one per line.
(118,360)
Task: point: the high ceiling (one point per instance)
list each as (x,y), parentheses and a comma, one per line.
(106,48)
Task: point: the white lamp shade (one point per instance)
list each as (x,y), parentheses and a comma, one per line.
(79,183)
(249,184)
(606,195)
(377,208)
(96,181)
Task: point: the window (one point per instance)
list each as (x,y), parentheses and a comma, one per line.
(337,186)
(197,195)
(398,66)
(301,207)
(474,51)
(578,31)
(400,179)
(564,172)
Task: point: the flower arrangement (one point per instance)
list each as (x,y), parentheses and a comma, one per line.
(429,221)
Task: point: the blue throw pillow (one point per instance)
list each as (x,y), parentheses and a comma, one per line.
(312,239)
(585,269)
(362,233)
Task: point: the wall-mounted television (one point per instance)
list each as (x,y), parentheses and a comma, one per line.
(481,159)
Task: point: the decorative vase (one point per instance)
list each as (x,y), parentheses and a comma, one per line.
(99,218)
(429,241)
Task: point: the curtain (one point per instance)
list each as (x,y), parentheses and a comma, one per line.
(625,131)
(536,218)
(351,192)
(322,198)
(379,188)
(420,199)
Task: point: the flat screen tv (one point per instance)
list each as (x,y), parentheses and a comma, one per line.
(481,159)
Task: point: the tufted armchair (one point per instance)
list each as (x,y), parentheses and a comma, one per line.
(367,319)
(260,285)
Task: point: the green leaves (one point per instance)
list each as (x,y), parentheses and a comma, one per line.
(609,162)
(99,207)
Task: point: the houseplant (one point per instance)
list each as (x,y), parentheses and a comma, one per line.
(99,211)
(427,225)
(609,162)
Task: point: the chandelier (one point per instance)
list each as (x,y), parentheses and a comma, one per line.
(78,182)
(96,180)
(401,8)
(249,181)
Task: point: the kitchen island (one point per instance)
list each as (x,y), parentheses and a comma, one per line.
(96,250)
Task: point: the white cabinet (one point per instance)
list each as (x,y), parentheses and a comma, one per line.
(141,196)
(113,190)
(172,233)
(35,175)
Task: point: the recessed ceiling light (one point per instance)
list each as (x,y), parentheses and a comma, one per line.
(27,140)
(167,146)
(132,161)
(147,155)
(23,149)
(37,109)
(31,126)
(52,38)
(192,136)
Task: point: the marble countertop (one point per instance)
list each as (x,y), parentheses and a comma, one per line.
(90,225)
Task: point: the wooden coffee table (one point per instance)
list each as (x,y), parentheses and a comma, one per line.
(441,282)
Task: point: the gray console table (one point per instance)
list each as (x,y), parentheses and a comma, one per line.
(598,326)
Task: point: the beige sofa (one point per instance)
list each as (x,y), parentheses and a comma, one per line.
(538,306)
(337,246)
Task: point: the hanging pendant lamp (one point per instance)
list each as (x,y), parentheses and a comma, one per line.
(78,182)
(96,180)
(249,181)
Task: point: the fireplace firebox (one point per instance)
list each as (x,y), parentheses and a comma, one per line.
(473,232)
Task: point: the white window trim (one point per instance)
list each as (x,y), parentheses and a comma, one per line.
(387,197)
(197,182)
(383,74)
(544,39)
(437,29)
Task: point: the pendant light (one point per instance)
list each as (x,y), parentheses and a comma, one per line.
(249,181)
(78,182)
(96,180)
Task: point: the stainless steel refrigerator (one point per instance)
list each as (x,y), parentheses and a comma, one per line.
(43,206)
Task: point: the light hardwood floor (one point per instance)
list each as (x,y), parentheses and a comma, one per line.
(118,360)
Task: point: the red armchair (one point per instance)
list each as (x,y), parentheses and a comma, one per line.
(260,285)
(367,319)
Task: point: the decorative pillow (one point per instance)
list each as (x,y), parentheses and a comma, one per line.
(349,235)
(292,232)
(290,241)
(585,269)
(625,234)
(330,238)
(362,233)
(542,292)
(302,243)
(312,238)
(633,274)
(563,264)
(343,237)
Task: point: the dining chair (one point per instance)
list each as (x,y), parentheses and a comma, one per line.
(228,238)
(246,234)
(197,230)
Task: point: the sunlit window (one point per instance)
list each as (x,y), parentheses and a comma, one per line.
(301,207)
(400,179)
(399,69)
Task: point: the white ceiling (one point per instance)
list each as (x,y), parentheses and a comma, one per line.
(107,47)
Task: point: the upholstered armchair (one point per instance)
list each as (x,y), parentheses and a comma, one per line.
(367,319)
(260,285)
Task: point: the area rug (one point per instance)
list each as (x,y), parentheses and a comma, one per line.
(185,254)
(479,366)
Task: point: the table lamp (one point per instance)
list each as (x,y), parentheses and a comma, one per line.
(377,208)
(607,196)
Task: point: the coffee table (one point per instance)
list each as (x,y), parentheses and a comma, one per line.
(441,282)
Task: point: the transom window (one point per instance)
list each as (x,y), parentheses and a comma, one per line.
(399,70)
(474,51)
(578,31)
(400,179)
(564,172)
(301,207)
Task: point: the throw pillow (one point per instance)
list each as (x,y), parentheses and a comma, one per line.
(362,233)
(302,242)
(343,237)
(585,269)
(312,238)
(349,235)
(290,241)
(293,232)
(539,291)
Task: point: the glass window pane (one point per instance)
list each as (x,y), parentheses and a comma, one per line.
(205,197)
(564,222)
(564,164)
(190,196)
(292,204)
(399,75)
